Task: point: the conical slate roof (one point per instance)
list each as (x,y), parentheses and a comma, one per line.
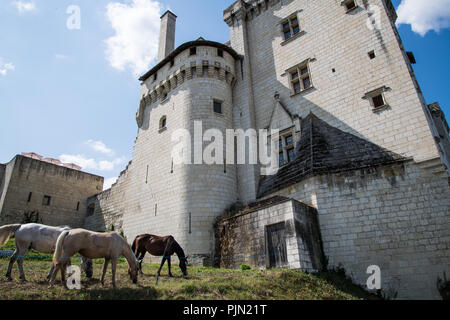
(325,149)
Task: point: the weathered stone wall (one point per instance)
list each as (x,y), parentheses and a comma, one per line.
(2,176)
(66,187)
(396,217)
(333,39)
(242,239)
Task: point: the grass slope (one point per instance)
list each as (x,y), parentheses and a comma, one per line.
(202,283)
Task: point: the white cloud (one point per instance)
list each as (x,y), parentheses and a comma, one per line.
(135,43)
(99,146)
(5,67)
(90,163)
(109,182)
(23,6)
(61,56)
(424,16)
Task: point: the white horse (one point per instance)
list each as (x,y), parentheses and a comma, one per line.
(35,236)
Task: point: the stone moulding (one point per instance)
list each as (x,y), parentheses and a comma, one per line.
(215,71)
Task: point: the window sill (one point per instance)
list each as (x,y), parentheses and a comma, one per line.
(298,35)
(302,92)
(219,114)
(161,130)
(351,10)
(381,108)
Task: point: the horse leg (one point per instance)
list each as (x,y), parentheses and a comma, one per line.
(105,267)
(22,274)
(63,272)
(54,273)
(49,275)
(140,259)
(11,263)
(113,268)
(168,263)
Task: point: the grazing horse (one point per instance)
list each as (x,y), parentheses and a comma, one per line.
(159,246)
(35,236)
(93,245)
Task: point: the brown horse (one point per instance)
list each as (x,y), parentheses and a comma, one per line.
(159,246)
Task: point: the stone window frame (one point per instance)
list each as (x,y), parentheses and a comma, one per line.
(163,123)
(46,200)
(300,77)
(220,52)
(293,35)
(214,101)
(346,3)
(376,94)
(192,51)
(285,148)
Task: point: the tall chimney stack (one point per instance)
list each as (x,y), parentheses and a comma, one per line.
(167,35)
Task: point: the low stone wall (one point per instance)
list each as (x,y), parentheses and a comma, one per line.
(244,238)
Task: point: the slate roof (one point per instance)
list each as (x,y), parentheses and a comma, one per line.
(326,149)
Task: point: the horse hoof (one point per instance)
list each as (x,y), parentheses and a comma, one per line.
(8,278)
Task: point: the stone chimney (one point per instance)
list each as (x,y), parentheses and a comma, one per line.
(167,35)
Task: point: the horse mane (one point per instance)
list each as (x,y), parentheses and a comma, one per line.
(177,248)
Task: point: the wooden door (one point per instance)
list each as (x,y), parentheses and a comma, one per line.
(276,245)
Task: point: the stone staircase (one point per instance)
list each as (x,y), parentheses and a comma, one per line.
(435,167)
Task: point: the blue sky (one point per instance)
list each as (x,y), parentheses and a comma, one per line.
(72,94)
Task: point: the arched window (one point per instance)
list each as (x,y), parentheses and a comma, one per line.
(90,209)
(163,123)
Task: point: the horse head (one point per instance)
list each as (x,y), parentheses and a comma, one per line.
(183,266)
(133,272)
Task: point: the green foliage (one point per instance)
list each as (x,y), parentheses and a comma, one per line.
(245,267)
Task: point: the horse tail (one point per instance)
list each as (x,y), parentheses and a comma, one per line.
(59,245)
(7,232)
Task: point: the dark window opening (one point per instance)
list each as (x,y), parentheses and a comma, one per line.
(29,196)
(220,52)
(371,55)
(378,101)
(155,76)
(217,107)
(78,205)
(46,200)
(350,4)
(163,123)
(91,209)
(205,70)
(172,62)
(193,51)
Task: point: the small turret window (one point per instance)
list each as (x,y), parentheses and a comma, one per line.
(193,51)
(217,105)
(163,123)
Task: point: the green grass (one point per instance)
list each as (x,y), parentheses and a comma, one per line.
(202,283)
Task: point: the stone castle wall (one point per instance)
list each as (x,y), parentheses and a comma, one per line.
(332,39)
(29,180)
(396,217)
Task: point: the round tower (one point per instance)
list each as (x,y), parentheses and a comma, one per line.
(190,89)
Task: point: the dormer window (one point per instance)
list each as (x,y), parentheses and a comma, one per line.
(286,148)
(220,53)
(193,51)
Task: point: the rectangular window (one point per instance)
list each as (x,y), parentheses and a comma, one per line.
(349,4)
(290,27)
(220,52)
(155,76)
(286,148)
(29,196)
(378,101)
(46,200)
(217,107)
(78,205)
(193,51)
(300,78)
